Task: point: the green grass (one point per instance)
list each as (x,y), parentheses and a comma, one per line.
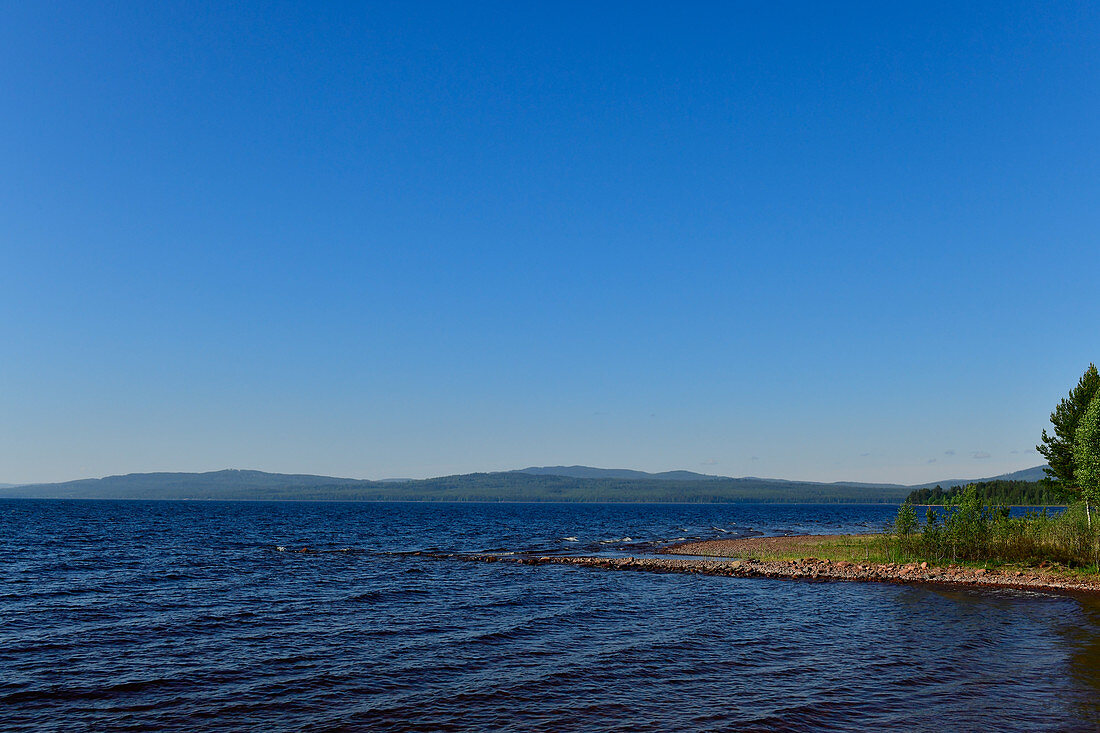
(888,548)
(972,532)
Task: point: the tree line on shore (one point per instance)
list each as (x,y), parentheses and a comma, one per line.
(976,525)
(997,492)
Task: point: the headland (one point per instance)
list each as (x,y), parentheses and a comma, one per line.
(813,558)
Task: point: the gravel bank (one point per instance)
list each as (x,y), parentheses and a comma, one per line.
(808,568)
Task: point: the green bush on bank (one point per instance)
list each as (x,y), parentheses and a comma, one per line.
(970,530)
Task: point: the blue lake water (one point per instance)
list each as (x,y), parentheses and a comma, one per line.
(187,615)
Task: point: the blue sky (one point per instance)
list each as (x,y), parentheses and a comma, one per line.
(796,240)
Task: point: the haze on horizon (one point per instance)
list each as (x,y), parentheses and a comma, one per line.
(806,242)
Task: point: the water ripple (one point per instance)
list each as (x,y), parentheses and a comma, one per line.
(184,616)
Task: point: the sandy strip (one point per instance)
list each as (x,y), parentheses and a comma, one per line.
(749,546)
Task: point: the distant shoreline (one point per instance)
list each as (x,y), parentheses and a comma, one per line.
(582,484)
(541,502)
(1010,506)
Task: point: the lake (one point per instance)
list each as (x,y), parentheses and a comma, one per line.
(191,615)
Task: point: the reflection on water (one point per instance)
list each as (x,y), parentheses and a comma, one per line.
(187,616)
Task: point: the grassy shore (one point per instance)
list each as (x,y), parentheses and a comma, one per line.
(966,544)
(867,549)
(780,565)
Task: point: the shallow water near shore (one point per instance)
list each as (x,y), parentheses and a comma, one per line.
(182,616)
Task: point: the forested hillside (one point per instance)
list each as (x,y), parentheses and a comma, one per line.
(504,486)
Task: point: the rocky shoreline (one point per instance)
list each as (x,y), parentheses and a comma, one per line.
(808,568)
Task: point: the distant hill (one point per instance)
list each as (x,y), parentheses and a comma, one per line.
(502,486)
(230,482)
(1027,474)
(537,484)
(625,473)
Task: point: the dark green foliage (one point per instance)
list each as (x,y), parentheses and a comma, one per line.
(1011,493)
(906,522)
(905,525)
(1087,448)
(966,526)
(932,534)
(1058,448)
(971,530)
(1086,455)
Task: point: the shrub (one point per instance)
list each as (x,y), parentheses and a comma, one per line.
(970,530)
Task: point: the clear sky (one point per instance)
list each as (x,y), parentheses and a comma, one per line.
(818,241)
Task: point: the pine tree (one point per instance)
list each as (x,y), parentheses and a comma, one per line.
(1058,448)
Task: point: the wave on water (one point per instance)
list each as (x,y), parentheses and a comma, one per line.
(196,624)
(312,550)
